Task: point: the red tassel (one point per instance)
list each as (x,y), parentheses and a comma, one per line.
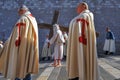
(82,38)
(17,42)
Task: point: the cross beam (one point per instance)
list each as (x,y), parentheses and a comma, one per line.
(50,26)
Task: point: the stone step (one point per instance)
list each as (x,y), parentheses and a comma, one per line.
(112,73)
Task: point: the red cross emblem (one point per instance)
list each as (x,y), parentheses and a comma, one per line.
(17,42)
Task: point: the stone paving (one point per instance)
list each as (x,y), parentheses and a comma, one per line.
(110,67)
(109,70)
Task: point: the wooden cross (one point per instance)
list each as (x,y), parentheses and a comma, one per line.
(50,26)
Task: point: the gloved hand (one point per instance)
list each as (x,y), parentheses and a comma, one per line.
(17,42)
(48,44)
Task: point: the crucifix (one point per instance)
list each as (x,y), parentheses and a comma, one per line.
(50,26)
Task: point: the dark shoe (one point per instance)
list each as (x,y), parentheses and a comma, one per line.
(43,58)
(48,58)
(111,53)
(28,77)
(74,79)
(106,52)
(64,56)
(17,79)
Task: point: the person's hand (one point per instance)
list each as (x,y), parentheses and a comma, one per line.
(48,44)
(97,34)
(17,42)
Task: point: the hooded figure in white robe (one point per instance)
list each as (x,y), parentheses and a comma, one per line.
(65,44)
(58,40)
(46,51)
(81,50)
(20,55)
(109,46)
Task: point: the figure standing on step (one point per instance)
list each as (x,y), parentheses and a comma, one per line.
(109,46)
(58,40)
(20,55)
(82,58)
(46,51)
(65,44)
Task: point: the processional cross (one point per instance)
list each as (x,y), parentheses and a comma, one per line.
(50,26)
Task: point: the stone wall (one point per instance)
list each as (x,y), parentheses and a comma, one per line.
(106,14)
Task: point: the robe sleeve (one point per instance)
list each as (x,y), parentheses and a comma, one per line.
(53,39)
(113,37)
(109,35)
